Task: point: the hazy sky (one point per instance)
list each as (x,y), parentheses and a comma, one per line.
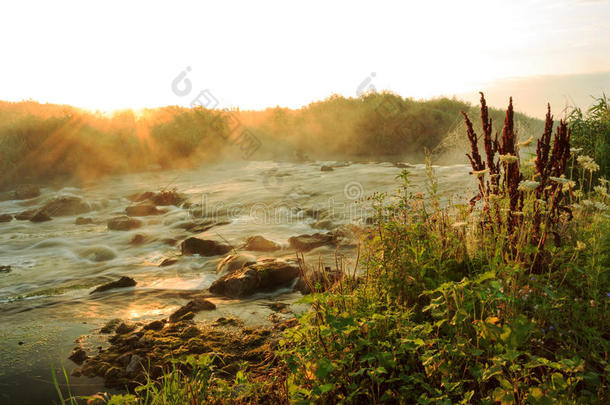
(107,54)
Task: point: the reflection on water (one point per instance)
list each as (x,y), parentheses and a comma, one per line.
(45,302)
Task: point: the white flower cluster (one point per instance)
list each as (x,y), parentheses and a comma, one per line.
(587,163)
(528,185)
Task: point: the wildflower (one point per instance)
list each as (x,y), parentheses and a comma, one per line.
(576,206)
(600,206)
(580,246)
(528,185)
(588,203)
(592,303)
(480,173)
(508,158)
(533,278)
(603,181)
(578,193)
(551,327)
(608,295)
(587,163)
(526,142)
(601,190)
(575,150)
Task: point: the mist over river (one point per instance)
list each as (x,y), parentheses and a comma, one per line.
(45,300)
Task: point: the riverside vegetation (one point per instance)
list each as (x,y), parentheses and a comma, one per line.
(502,300)
(46,142)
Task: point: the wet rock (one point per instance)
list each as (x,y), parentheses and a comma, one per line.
(190,332)
(139,197)
(137,239)
(83,221)
(134,363)
(78,356)
(278,307)
(230,321)
(203,247)
(26,191)
(26,215)
(5,269)
(258,243)
(123,282)
(168,262)
(110,326)
(155,325)
(193,306)
(6,218)
(124,223)
(255,278)
(125,327)
(326,169)
(40,216)
(142,210)
(324,224)
(162,198)
(305,243)
(234,262)
(66,205)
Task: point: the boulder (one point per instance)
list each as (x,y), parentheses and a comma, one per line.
(166,197)
(6,218)
(78,356)
(326,169)
(255,278)
(234,262)
(5,269)
(193,306)
(83,221)
(260,244)
(40,216)
(142,210)
(123,282)
(66,205)
(305,243)
(25,215)
(203,247)
(123,223)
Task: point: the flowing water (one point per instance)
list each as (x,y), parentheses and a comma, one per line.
(45,301)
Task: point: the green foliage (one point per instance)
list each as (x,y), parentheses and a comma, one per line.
(591,132)
(443,314)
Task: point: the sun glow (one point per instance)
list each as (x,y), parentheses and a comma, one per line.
(254,56)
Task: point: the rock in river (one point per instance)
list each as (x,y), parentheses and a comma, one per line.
(66,205)
(255,278)
(121,283)
(258,243)
(194,306)
(305,243)
(6,218)
(124,223)
(203,247)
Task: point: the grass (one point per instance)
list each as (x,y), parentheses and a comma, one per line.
(503,300)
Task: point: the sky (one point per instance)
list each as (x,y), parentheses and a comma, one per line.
(105,55)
